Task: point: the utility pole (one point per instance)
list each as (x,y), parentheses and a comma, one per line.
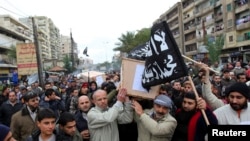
(38,55)
(204,31)
(72,50)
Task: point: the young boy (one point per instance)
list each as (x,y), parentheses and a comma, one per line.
(46,122)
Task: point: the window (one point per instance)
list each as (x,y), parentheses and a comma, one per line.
(247,36)
(229,7)
(229,23)
(231,38)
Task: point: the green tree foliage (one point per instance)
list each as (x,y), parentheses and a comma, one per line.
(214,47)
(126,42)
(67,64)
(131,40)
(142,36)
(12,52)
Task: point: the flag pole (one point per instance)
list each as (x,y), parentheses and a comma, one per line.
(196,95)
(198,63)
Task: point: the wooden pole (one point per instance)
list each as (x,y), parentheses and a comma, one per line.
(198,62)
(197,96)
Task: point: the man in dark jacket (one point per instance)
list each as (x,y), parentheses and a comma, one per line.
(52,101)
(8,108)
(84,105)
(66,128)
(191,125)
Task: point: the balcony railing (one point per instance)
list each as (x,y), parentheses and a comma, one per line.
(243,23)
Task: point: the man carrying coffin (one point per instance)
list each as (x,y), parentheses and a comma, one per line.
(156,123)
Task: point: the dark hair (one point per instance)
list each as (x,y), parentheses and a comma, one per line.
(49,92)
(29,96)
(165,87)
(45,113)
(190,95)
(47,83)
(12,92)
(108,86)
(72,90)
(4,88)
(66,117)
(240,74)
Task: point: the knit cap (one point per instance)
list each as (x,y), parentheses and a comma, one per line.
(238,87)
(163,100)
(4,130)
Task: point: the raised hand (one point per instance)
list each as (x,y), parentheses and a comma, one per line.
(122,94)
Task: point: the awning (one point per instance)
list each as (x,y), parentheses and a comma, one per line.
(7,66)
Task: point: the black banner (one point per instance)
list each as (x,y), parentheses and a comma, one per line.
(164,61)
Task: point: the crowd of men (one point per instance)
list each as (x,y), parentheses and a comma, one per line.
(73,111)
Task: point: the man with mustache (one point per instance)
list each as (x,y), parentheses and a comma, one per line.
(191,125)
(156,123)
(23,122)
(237,110)
(103,120)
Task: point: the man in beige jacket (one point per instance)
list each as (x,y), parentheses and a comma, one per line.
(155,124)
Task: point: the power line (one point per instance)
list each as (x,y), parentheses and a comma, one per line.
(16,7)
(11,11)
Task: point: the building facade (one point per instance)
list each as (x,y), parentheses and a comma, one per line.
(197,19)
(12,32)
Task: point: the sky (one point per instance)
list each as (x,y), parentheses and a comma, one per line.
(96,24)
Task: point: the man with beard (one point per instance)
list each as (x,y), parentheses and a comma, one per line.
(191,125)
(237,111)
(84,105)
(23,122)
(156,123)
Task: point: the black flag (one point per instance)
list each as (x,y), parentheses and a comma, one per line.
(85,51)
(139,52)
(164,61)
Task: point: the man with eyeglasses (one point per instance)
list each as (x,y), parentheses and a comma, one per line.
(23,122)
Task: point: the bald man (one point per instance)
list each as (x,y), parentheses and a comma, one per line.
(103,120)
(84,105)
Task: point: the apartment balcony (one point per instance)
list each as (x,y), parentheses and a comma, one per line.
(209,22)
(191,41)
(186,8)
(45,52)
(201,12)
(218,32)
(241,8)
(243,38)
(198,2)
(176,35)
(190,29)
(16,32)
(187,19)
(218,3)
(41,38)
(174,26)
(172,18)
(243,26)
(218,17)
(190,53)
(44,47)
